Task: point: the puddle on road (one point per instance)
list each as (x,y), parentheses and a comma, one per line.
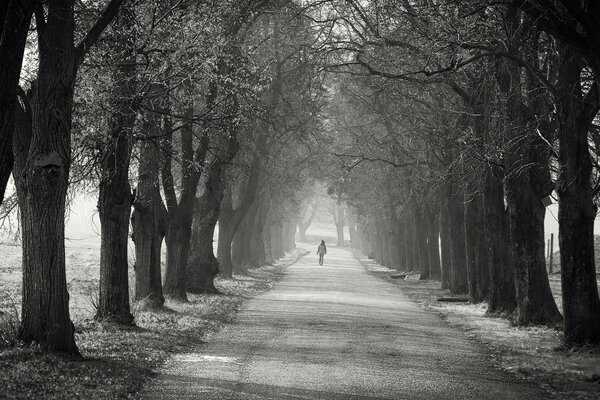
(194,357)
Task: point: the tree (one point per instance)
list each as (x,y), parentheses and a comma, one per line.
(115,197)
(42,161)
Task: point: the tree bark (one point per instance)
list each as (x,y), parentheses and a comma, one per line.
(445,236)
(502,295)
(148,227)
(576,209)
(458,273)
(475,250)
(433,236)
(115,198)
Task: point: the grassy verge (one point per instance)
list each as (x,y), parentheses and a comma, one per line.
(532,353)
(118,360)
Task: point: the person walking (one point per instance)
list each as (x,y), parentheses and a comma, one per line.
(321,251)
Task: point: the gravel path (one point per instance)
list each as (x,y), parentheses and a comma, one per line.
(336,332)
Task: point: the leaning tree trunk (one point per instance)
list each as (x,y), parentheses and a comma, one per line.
(576,210)
(42,162)
(114,202)
(148,232)
(501,296)
(14,27)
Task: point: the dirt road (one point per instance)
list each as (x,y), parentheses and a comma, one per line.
(336,332)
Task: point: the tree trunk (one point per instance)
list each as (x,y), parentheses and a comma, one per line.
(225,235)
(475,250)
(354,241)
(203,265)
(339,224)
(261,247)
(230,218)
(458,273)
(411,252)
(42,162)
(146,222)
(576,209)
(501,296)
(242,240)
(15,22)
(528,181)
(305,224)
(422,248)
(114,203)
(445,245)
(180,213)
(433,237)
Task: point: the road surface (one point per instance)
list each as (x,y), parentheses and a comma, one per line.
(336,332)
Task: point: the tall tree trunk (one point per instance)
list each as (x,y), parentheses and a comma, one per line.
(339,224)
(226,235)
(242,240)
(147,225)
(445,236)
(305,223)
(502,296)
(203,265)
(42,162)
(411,252)
(231,218)
(528,181)
(261,248)
(458,273)
(181,213)
(115,198)
(576,210)
(422,248)
(433,236)
(475,250)
(354,240)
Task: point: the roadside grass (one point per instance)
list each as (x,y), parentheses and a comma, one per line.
(117,360)
(532,353)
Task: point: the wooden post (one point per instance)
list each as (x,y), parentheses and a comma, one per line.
(550,270)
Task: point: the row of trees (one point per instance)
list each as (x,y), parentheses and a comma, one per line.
(210,109)
(462,119)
